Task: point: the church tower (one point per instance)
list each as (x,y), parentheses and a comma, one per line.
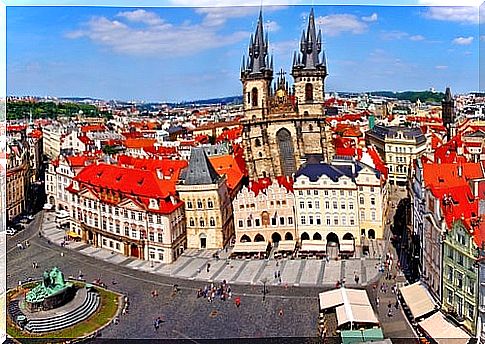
(448,112)
(257,74)
(309,71)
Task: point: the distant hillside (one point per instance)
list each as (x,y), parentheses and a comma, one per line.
(20,110)
(424,96)
(223,101)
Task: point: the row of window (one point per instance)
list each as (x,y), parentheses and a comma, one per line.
(256,222)
(200,204)
(212,222)
(252,205)
(458,281)
(310,220)
(457,302)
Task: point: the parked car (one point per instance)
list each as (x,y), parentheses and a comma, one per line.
(10,231)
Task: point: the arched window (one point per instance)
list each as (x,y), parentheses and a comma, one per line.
(212,222)
(254,97)
(310,127)
(257,143)
(191,222)
(287,156)
(199,204)
(202,222)
(308,92)
(210,204)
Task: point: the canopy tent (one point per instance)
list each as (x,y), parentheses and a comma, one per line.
(417,299)
(313,246)
(250,247)
(337,297)
(349,313)
(347,246)
(286,245)
(442,331)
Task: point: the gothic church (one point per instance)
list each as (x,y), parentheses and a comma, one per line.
(283,126)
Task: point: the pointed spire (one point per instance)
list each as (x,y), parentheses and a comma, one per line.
(243,64)
(319,41)
(294,59)
(303,42)
(448,96)
(311,45)
(258,60)
(271,63)
(200,170)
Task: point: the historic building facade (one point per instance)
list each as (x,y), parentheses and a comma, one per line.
(131,211)
(343,200)
(398,146)
(18,177)
(282,127)
(208,206)
(265,211)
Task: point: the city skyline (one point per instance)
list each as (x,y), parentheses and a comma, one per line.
(176,54)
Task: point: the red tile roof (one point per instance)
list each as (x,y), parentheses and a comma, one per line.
(37,134)
(94,127)
(262,184)
(139,143)
(227,164)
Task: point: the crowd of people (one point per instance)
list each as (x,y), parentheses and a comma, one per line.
(213,291)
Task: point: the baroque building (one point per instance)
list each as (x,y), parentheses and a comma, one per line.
(283,126)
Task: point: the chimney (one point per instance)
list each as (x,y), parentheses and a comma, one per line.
(460,170)
(159,174)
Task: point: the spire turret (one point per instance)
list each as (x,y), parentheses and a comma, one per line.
(258,61)
(311,46)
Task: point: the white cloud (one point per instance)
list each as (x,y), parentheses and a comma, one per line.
(396,35)
(271,26)
(141,16)
(417,38)
(336,24)
(441,67)
(371,18)
(155,37)
(463,40)
(216,16)
(466,15)
(284,49)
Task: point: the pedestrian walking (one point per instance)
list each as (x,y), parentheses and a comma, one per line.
(397,304)
(356,278)
(281,312)
(389,313)
(377,301)
(389,305)
(275,275)
(156,325)
(279,274)
(208,267)
(237,300)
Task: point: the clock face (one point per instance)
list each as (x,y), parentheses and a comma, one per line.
(280,93)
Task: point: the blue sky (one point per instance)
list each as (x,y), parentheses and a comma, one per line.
(176,53)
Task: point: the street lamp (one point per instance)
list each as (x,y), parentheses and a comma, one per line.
(264,281)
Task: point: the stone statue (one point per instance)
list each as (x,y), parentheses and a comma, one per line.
(53,282)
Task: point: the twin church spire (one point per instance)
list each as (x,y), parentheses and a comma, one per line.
(259,63)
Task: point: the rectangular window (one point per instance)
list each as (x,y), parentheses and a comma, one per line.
(303,220)
(342,205)
(327,205)
(300,192)
(373,215)
(310,205)
(159,219)
(302,205)
(317,204)
(335,206)
(117,212)
(150,218)
(290,220)
(110,244)
(335,220)
(140,217)
(282,221)
(342,192)
(308,192)
(352,221)
(315,192)
(133,215)
(127,232)
(328,221)
(326,192)
(105,242)
(117,245)
(350,192)
(470,310)
(151,236)
(160,237)
(344,221)
(118,229)
(450,273)
(273,221)
(257,222)
(460,259)
(318,220)
(450,296)
(371,189)
(459,280)
(310,220)
(241,223)
(362,215)
(351,206)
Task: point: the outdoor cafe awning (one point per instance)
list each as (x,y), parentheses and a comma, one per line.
(361,336)
(417,299)
(337,297)
(313,246)
(286,245)
(442,331)
(356,314)
(250,247)
(347,246)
